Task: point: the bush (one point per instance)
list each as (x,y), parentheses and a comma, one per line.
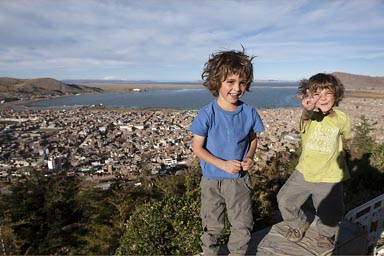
(365,162)
(168,227)
(362,142)
(377,158)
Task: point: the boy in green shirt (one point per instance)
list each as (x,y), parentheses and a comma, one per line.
(322,166)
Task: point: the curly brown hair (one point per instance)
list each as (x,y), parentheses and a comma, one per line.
(322,81)
(224,63)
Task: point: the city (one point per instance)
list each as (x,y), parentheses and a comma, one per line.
(105,144)
(108,143)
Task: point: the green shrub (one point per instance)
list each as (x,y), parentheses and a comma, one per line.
(362,142)
(365,162)
(168,227)
(377,158)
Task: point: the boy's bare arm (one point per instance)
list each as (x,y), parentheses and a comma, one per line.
(230,166)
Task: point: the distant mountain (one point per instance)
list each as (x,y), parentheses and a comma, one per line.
(360,82)
(96,81)
(40,87)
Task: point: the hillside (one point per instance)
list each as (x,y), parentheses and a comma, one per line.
(13,88)
(39,87)
(360,82)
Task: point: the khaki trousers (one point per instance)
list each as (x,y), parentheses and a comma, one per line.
(327,200)
(234,196)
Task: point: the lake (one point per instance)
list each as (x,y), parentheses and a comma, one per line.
(260,97)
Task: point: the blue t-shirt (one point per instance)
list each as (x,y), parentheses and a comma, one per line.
(226,134)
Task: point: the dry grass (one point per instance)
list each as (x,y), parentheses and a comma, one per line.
(371,95)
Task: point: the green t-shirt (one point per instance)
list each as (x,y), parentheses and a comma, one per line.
(322,158)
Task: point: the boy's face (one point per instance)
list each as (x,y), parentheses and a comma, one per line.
(231,90)
(326,99)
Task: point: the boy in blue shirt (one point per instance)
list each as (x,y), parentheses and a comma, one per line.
(225,142)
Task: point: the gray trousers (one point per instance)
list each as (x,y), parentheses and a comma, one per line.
(327,200)
(234,195)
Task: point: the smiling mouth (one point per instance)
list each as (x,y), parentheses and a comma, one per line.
(323,103)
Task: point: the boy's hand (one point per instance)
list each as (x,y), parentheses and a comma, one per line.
(247,163)
(232,166)
(310,100)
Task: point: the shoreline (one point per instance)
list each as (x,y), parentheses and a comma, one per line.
(129,87)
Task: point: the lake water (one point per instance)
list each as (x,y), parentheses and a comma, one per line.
(174,99)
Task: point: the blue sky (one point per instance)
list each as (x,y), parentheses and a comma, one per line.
(170,40)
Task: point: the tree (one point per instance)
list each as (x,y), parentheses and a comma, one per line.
(105,213)
(362,142)
(9,244)
(41,210)
(377,158)
(364,158)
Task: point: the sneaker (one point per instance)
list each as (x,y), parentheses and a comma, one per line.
(296,234)
(325,242)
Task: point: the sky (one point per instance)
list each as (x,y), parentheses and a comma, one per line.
(170,40)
